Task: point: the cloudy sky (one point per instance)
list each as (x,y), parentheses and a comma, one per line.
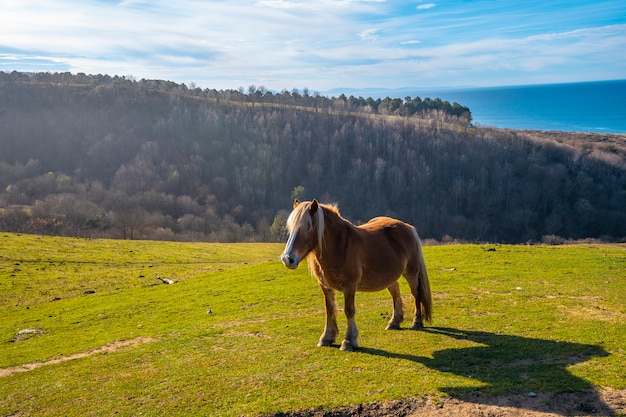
(319,44)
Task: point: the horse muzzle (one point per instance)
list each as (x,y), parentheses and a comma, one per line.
(291,261)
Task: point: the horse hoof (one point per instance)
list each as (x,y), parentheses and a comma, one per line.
(418,325)
(392,326)
(348,346)
(322,343)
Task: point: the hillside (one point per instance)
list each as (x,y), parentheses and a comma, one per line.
(108,156)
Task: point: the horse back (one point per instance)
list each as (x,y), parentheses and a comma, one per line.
(386,230)
(388,248)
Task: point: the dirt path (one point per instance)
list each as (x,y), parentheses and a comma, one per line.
(603,403)
(111,347)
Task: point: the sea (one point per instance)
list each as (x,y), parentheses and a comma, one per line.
(598,106)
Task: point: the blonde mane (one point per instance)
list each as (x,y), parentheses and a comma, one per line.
(300,218)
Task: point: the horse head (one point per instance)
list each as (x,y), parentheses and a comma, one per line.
(306,229)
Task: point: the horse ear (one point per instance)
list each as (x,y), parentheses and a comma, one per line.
(295,203)
(313,207)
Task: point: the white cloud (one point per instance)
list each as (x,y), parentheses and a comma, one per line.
(426,6)
(612,30)
(321,5)
(369,34)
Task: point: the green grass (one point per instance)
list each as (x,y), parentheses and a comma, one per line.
(237,332)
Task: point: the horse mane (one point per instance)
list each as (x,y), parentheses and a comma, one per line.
(332,208)
(300,218)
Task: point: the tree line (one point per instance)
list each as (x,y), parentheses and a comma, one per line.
(95,155)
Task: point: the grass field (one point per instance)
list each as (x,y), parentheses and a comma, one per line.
(236,334)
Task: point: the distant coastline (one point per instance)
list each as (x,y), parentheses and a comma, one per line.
(598,106)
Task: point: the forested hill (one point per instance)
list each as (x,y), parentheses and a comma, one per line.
(109,156)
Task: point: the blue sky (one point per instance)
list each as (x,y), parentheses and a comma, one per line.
(319,44)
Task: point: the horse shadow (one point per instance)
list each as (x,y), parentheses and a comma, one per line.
(515,365)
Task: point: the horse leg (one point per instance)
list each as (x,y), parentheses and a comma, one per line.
(352,334)
(331,329)
(396,319)
(412,279)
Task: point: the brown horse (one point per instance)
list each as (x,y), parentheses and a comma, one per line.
(349,258)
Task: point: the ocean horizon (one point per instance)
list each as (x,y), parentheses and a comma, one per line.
(598,106)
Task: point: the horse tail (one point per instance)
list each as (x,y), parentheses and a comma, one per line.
(425,297)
